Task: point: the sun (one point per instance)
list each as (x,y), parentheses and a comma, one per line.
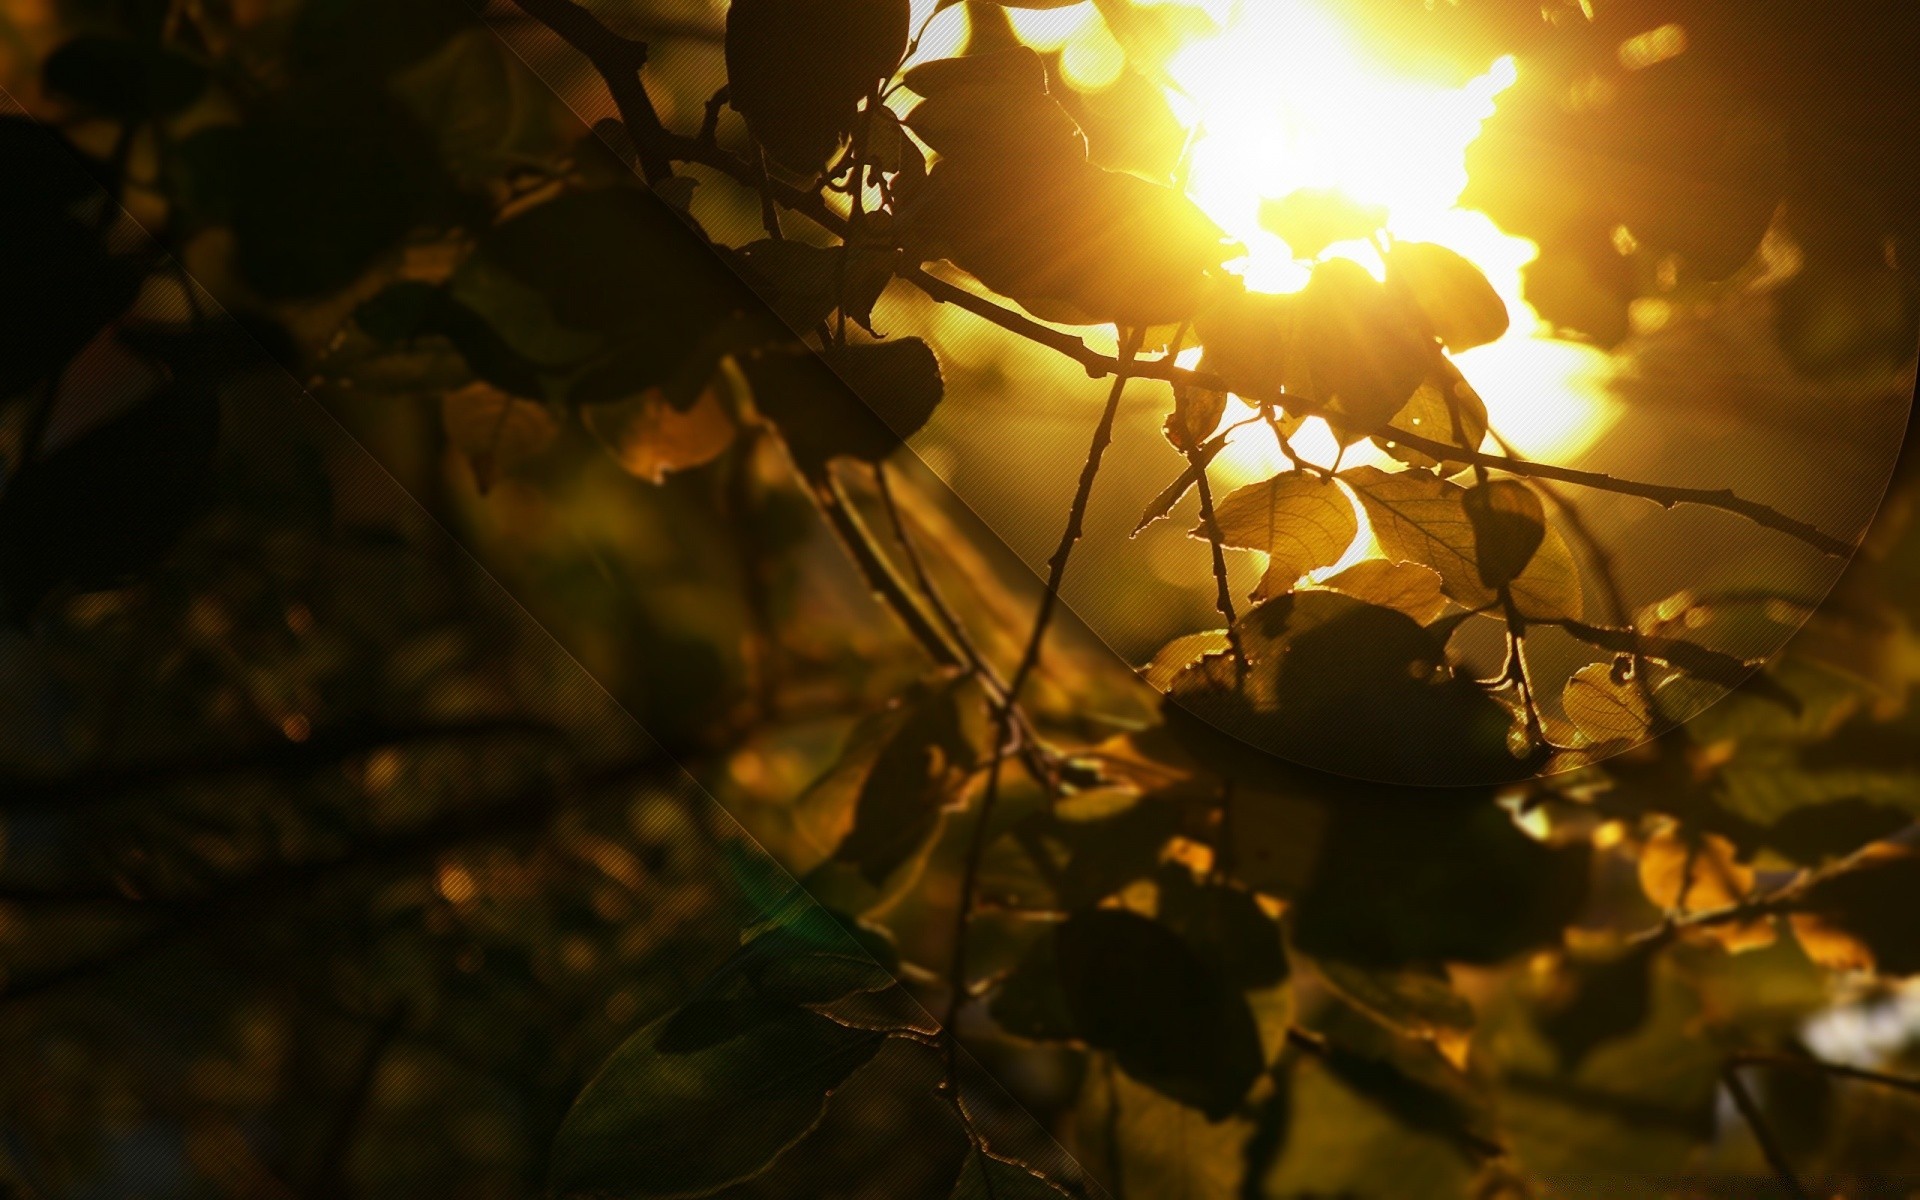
(1284,96)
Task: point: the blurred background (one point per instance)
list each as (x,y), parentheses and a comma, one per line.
(333,861)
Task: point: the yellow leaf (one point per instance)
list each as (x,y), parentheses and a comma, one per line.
(1699,877)
(1603,707)
(497,432)
(1300,520)
(651,439)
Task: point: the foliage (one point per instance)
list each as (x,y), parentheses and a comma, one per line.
(1334,907)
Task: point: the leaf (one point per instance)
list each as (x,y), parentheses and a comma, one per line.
(1459,305)
(995,111)
(1445,409)
(1196,414)
(122,78)
(1069,241)
(1301,521)
(1225,926)
(489,113)
(1421,519)
(406,311)
(1136,988)
(1605,706)
(1509,523)
(1416,1001)
(1030,1002)
(1402,586)
(111,502)
(797,72)
(1016,68)
(1597,999)
(1181,653)
(497,432)
(1401,883)
(651,439)
(315,186)
(1699,874)
(799,281)
(987,1176)
(1355,352)
(1249,342)
(613,287)
(1309,220)
(1859,915)
(1345,686)
(857,402)
(910,766)
(656,1122)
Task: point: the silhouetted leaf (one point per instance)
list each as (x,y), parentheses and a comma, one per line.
(1445,409)
(1859,915)
(1354,351)
(315,187)
(1350,687)
(798,69)
(1459,304)
(123,78)
(1408,881)
(1597,999)
(1135,988)
(857,401)
(659,1122)
(1225,926)
(1417,1001)
(1509,523)
(110,502)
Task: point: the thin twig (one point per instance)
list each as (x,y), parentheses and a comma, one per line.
(1762,1133)
(1029,659)
(880,575)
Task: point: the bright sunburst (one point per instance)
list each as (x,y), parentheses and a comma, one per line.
(1283,98)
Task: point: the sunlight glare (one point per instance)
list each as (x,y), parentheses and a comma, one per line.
(1281,99)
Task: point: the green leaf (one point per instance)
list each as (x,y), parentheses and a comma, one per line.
(1301,521)
(660,1122)
(1136,988)
(1509,523)
(1459,304)
(987,1176)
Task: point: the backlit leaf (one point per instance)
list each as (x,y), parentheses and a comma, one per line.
(1301,521)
